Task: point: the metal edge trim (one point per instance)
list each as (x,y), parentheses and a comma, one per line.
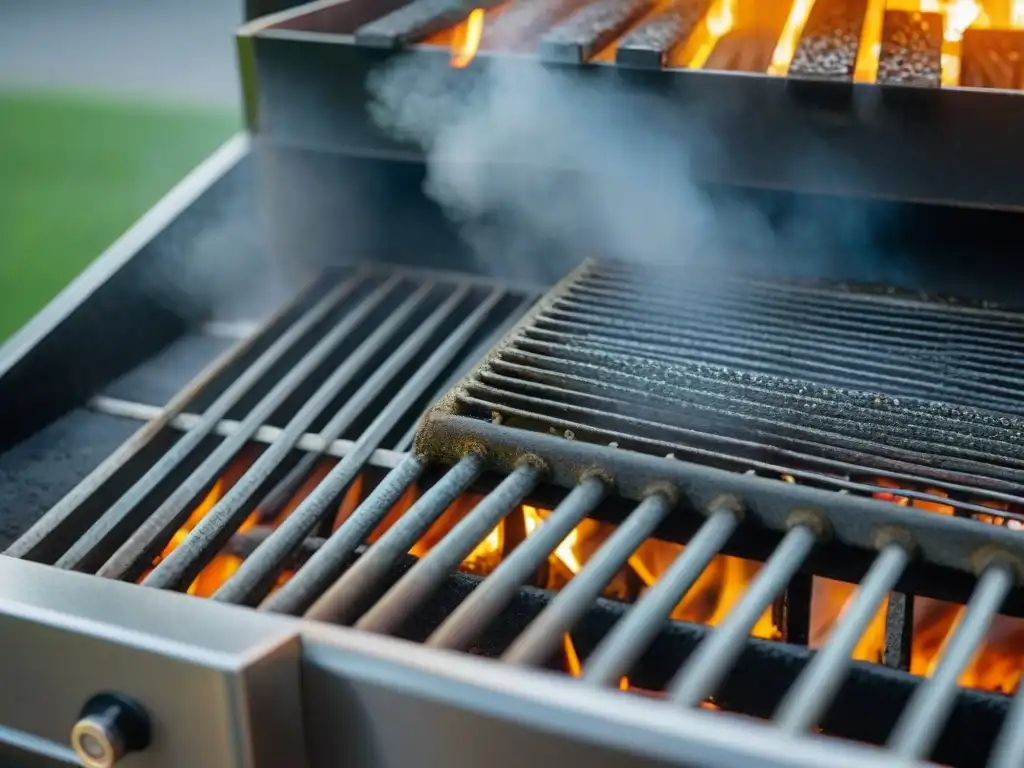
(248,70)
(144,230)
(25,742)
(255,26)
(552,703)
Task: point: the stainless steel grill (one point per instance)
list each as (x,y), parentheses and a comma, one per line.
(346,369)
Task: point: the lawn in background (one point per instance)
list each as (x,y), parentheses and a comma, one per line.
(75,172)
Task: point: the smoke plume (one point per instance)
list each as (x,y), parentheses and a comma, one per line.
(540,169)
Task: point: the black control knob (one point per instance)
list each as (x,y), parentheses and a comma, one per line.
(109,727)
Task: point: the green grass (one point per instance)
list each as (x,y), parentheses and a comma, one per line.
(75,172)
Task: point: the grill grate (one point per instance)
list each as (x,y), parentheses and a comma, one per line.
(832,388)
(371,337)
(405,339)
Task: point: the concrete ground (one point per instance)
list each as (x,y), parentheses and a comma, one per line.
(165,50)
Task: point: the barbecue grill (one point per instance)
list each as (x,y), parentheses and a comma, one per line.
(336,486)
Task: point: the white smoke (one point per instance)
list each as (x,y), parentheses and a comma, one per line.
(535,162)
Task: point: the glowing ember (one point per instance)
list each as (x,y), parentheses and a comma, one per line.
(466,39)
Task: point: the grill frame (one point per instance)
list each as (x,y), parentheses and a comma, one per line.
(400,701)
(346,676)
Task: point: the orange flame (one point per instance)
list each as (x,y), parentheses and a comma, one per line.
(998,663)
(786,47)
(717,23)
(466,39)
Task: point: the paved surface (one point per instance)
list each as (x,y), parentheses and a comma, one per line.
(168,50)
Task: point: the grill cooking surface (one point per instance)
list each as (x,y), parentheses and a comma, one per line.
(827,386)
(539,503)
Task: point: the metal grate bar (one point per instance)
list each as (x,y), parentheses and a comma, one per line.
(710,663)
(468,361)
(135,553)
(838,299)
(899,631)
(921,724)
(255,577)
(299,592)
(791,611)
(940,539)
(571,388)
(709,384)
(951,380)
(476,612)
(844,317)
(345,600)
(536,645)
(911,52)
(836,312)
(425,578)
(649,44)
(739,333)
(99,533)
(1008,751)
(231,329)
(520,26)
(363,398)
(28,542)
(415,21)
(590,29)
(182,565)
(808,700)
(633,635)
(789,418)
(309,442)
(990,58)
(830,41)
